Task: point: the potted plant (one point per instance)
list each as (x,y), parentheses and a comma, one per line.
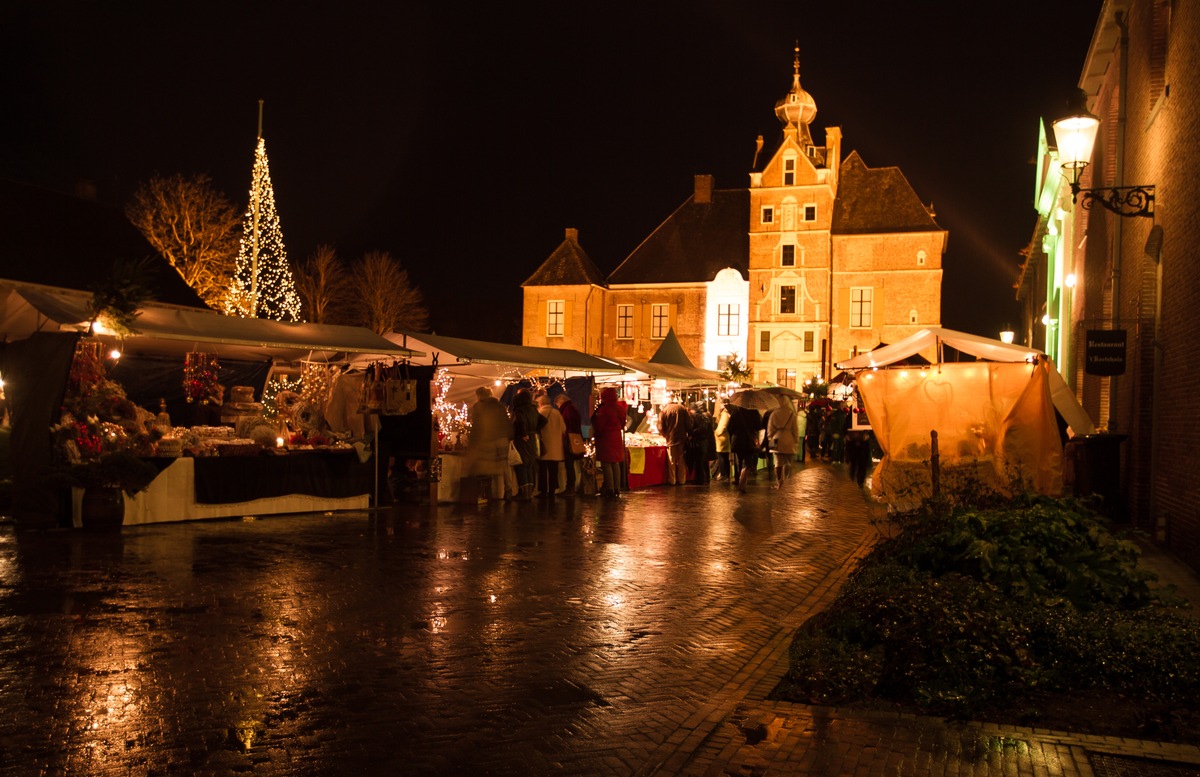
(104,481)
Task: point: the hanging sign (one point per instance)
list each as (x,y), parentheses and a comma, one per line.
(1105,352)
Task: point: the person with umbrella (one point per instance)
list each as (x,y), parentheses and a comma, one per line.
(743,427)
(782,437)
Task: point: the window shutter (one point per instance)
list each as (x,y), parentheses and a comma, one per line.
(877,321)
(644,330)
(543,318)
(567,318)
(671,312)
(843,311)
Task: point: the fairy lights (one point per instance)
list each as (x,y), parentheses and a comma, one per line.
(263,286)
(453,420)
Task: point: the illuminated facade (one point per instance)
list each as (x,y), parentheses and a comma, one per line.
(818,259)
(1136,278)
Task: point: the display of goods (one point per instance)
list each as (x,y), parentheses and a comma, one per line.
(213,432)
(169,447)
(236,447)
(239,394)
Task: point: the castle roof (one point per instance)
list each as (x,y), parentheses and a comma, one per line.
(696,242)
(877,200)
(567,265)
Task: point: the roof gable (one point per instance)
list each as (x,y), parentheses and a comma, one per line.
(567,265)
(695,243)
(875,200)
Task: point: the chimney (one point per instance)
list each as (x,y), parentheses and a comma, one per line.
(758,147)
(704,189)
(573,234)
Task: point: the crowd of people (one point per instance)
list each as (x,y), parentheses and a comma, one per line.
(519,454)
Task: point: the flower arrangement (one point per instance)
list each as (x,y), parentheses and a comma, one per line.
(200,371)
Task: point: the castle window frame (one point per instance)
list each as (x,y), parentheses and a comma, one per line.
(556,311)
(921,258)
(624,322)
(810,341)
(786,377)
(809,212)
(789,171)
(787,255)
(660,321)
(729,319)
(861,298)
(787,300)
(764,341)
(768,214)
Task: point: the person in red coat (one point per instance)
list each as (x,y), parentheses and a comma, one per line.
(608,430)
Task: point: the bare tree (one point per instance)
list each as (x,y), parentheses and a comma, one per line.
(385,299)
(324,286)
(194,227)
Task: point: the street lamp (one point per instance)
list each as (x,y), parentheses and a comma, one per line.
(1076,135)
(1007,335)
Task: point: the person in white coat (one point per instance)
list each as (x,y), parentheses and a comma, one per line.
(552,456)
(783,437)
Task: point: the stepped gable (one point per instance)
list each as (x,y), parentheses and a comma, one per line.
(877,200)
(695,243)
(57,239)
(567,265)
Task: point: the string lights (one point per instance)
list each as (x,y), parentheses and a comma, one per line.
(263,286)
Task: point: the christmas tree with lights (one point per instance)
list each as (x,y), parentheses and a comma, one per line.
(262,285)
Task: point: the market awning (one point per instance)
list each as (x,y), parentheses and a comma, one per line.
(25,308)
(506,354)
(979,347)
(693,376)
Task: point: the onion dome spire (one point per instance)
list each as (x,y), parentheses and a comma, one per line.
(797,107)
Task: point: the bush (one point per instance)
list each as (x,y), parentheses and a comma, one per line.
(977,607)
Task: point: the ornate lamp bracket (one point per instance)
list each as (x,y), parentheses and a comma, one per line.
(1127,201)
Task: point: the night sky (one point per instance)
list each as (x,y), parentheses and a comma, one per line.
(464,138)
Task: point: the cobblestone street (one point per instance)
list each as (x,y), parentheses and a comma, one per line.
(581,637)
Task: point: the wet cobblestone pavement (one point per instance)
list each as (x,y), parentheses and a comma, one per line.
(582,637)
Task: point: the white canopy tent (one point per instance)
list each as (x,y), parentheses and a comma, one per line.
(994,416)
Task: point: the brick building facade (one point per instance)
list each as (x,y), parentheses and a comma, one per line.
(820,258)
(1089,270)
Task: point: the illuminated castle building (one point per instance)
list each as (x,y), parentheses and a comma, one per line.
(819,259)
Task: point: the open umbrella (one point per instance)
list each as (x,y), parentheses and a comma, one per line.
(784,391)
(754,399)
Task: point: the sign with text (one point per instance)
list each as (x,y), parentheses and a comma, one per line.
(1105,352)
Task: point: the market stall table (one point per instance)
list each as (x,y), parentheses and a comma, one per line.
(228,486)
(647,466)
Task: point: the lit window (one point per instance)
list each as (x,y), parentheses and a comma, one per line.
(860,307)
(788,256)
(768,215)
(789,172)
(786,378)
(787,299)
(660,321)
(810,341)
(729,320)
(625,321)
(764,341)
(810,212)
(555,315)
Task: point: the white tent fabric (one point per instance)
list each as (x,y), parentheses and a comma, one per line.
(171,329)
(936,337)
(677,375)
(994,422)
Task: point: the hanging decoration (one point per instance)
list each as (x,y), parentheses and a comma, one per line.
(315,384)
(453,421)
(277,385)
(200,384)
(263,286)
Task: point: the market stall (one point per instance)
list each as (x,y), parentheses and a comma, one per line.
(994,416)
(648,385)
(461,366)
(206,374)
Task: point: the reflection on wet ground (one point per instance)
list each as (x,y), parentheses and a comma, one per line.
(583,637)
